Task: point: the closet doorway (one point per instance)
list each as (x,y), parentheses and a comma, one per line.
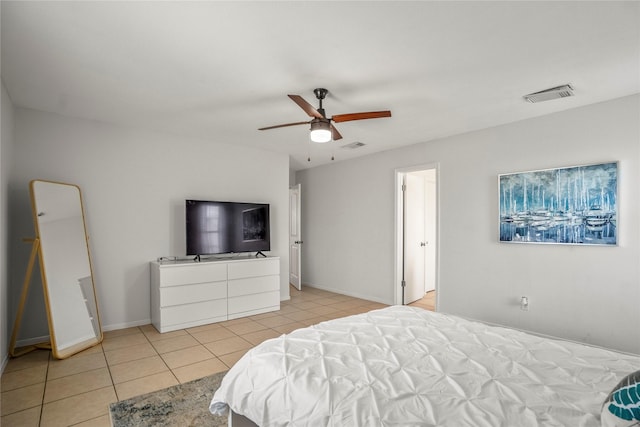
(416,235)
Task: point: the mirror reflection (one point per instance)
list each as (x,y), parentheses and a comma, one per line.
(65,265)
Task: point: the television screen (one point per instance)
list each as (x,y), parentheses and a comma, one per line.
(226,227)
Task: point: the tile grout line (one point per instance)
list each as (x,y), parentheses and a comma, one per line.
(159,355)
(106,361)
(44,389)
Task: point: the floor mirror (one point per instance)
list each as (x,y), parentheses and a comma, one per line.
(62,246)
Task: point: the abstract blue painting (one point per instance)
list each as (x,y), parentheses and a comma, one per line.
(575,205)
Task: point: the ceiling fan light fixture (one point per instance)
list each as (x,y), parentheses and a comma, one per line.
(320,131)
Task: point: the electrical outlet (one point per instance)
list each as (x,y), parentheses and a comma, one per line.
(524,303)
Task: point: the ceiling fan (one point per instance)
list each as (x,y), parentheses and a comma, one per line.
(321,128)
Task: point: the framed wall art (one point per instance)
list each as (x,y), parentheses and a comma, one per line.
(574,205)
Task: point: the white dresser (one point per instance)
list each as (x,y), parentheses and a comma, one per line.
(188,293)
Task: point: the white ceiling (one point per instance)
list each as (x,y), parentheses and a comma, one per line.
(221,70)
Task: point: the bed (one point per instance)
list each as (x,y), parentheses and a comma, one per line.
(405,366)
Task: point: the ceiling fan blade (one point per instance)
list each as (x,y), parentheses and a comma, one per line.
(308,108)
(361,116)
(285,125)
(335,135)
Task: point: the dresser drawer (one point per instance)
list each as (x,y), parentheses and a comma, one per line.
(262,267)
(253,285)
(254,302)
(197,273)
(186,294)
(193,312)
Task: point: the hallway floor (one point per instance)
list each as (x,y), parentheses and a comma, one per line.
(428,302)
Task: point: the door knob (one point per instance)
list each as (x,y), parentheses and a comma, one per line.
(298,242)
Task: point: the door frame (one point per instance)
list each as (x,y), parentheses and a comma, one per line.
(399,226)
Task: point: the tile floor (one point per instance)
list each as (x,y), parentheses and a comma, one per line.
(38,390)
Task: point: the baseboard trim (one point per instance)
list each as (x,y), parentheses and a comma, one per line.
(32,341)
(347,293)
(125,325)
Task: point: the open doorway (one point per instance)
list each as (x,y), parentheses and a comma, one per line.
(416,236)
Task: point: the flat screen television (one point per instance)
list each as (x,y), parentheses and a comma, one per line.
(226,227)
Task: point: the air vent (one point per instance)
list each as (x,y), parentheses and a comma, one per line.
(549,94)
(353,145)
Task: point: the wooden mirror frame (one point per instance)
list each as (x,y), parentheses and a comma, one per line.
(67,276)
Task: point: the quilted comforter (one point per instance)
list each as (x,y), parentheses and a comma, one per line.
(404,366)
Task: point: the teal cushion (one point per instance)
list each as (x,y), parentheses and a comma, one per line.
(622,406)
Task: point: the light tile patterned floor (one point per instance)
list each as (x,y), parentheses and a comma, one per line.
(38,390)
(428,302)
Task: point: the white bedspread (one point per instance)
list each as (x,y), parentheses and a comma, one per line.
(406,366)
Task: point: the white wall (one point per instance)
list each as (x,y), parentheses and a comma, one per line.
(588,294)
(6,144)
(134,184)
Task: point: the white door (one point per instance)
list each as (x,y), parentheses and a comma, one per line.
(295,237)
(414,237)
(430,230)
